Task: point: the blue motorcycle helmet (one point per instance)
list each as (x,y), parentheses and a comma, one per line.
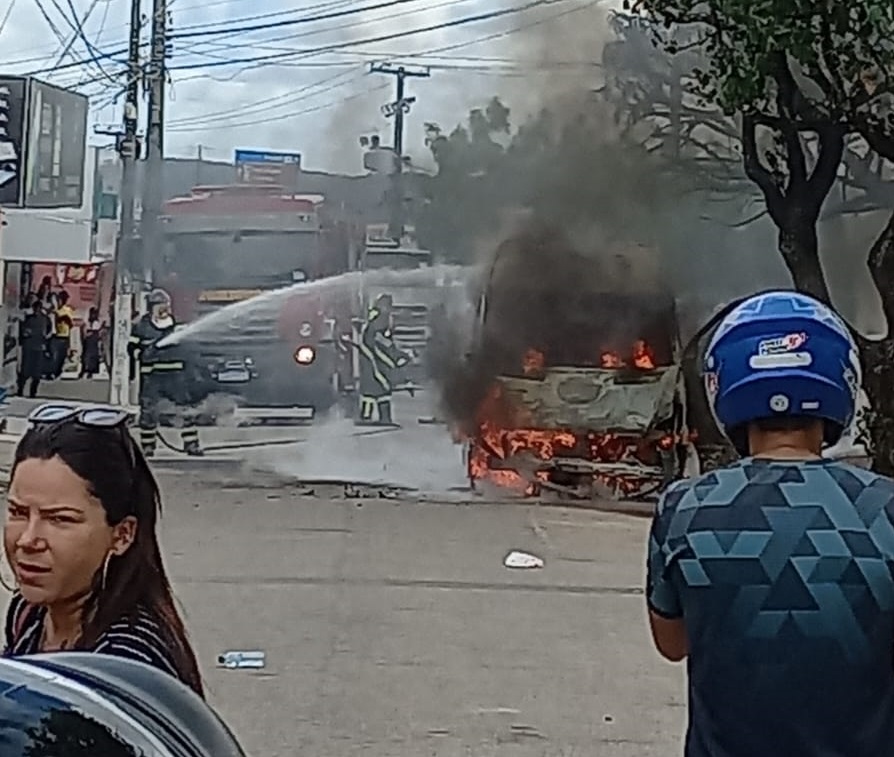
(778,354)
(82,703)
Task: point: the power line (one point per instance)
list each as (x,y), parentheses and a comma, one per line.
(303,112)
(235,30)
(488,16)
(121,43)
(222,43)
(291,96)
(265,104)
(343,45)
(79,32)
(12,4)
(291,22)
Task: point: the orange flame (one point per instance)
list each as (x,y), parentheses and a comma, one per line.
(611,360)
(534,362)
(642,357)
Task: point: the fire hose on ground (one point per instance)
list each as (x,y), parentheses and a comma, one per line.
(260,443)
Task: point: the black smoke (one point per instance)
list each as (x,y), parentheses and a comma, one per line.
(569,303)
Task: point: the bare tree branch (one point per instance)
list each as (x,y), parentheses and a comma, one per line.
(831,149)
(757,172)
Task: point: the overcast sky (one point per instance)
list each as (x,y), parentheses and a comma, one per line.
(300,96)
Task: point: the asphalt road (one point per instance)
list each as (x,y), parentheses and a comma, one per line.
(392,628)
(390,624)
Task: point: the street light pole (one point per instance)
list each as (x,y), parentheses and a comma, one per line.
(153,176)
(398,109)
(126,257)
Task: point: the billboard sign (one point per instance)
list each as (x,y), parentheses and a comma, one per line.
(13,109)
(262,167)
(43,144)
(56,148)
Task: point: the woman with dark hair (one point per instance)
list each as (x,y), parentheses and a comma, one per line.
(80,535)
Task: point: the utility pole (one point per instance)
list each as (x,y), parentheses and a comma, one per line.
(127,257)
(153,175)
(398,109)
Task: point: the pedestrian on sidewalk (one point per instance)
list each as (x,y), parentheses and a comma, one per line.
(34,331)
(773,576)
(64,321)
(80,535)
(91,331)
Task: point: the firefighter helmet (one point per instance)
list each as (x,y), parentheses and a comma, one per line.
(158,297)
(99,704)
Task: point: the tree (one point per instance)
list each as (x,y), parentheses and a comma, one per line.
(568,164)
(798,70)
(460,196)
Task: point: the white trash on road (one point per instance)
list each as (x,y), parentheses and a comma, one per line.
(522,560)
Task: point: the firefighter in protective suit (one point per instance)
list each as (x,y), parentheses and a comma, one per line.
(164,375)
(380,358)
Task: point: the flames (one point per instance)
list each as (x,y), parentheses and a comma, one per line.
(501,435)
(641,357)
(534,362)
(506,449)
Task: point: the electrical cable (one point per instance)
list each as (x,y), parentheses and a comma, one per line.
(123,42)
(289,22)
(337,46)
(285,97)
(304,112)
(228,46)
(197,120)
(79,30)
(12,4)
(202,28)
(487,16)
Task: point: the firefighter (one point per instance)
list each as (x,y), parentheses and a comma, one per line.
(379,359)
(164,375)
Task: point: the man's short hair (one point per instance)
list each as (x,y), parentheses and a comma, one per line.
(783,423)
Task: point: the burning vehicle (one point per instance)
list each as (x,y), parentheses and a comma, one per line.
(574,374)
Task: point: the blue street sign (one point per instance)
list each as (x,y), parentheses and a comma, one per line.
(260,156)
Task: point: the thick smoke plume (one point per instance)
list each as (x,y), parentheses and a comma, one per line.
(543,293)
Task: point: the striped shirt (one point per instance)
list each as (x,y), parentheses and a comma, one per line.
(137,638)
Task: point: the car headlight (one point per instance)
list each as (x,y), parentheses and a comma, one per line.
(305,355)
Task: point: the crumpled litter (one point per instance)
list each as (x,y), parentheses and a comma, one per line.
(523,560)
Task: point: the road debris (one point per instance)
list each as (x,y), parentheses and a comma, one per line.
(523,560)
(242,659)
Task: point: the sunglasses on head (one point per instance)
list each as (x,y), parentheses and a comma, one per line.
(93,416)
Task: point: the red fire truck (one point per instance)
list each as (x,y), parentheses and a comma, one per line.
(228,244)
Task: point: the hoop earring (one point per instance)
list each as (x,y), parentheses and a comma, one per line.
(105,572)
(10,589)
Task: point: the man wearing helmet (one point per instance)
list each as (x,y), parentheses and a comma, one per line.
(163,374)
(380,357)
(774,575)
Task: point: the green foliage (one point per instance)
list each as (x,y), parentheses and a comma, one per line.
(745,43)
